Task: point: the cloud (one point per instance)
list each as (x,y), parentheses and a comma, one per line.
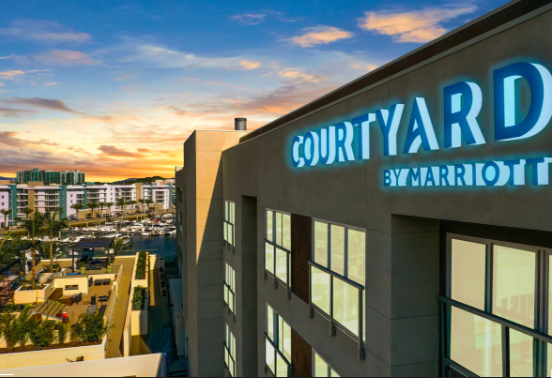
(10,75)
(367,67)
(415,26)
(43,32)
(177,110)
(114,151)
(296,75)
(67,58)
(50,84)
(162,57)
(320,35)
(248,65)
(249,19)
(44,103)
(9,138)
(143,150)
(15,113)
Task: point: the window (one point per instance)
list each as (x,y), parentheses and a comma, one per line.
(230,351)
(230,288)
(338,275)
(278,247)
(229,221)
(278,344)
(321,368)
(496,323)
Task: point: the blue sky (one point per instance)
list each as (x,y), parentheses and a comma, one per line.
(114,87)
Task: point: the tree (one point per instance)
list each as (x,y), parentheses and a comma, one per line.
(35,227)
(6,213)
(118,246)
(27,212)
(109,205)
(53,224)
(121,203)
(92,206)
(77,207)
(102,206)
(149,202)
(142,202)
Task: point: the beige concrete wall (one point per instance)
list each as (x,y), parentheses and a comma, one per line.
(49,357)
(81,281)
(151,365)
(32,296)
(204,262)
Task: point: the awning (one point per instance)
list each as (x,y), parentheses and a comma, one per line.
(94,243)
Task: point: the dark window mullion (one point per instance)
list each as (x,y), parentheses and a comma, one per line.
(490,275)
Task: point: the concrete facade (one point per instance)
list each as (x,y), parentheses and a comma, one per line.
(404,226)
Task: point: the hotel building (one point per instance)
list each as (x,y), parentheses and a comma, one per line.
(397,226)
(51,177)
(42,198)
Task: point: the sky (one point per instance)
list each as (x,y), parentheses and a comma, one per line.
(114,88)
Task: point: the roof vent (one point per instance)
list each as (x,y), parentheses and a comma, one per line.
(240,124)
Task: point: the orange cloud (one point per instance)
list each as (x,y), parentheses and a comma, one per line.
(248,65)
(416,26)
(67,58)
(320,35)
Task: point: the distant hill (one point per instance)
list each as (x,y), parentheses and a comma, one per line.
(135,180)
(7,178)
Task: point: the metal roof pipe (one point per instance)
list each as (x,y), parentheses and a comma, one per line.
(240,124)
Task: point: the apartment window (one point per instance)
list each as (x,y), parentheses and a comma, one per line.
(495,318)
(278,344)
(321,368)
(229,221)
(337,276)
(230,288)
(278,247)
(230,351)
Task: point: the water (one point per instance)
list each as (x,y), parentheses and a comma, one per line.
(162,245)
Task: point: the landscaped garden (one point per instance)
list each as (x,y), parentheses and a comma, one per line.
(138,298)
(141,265)
(27,332)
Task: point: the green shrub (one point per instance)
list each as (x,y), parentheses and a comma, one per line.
(42,333)
(141,265)
(138,298)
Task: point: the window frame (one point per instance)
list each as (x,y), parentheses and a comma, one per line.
(541,325)
(276,343)
(229,223)
(229,336)
(360,339)
(330,368)
(230,287)
(275,246)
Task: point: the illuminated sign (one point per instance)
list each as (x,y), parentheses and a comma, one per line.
(350,140)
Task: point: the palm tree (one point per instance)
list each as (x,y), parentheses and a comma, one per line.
(35,228)
(142,202)
(121,203)
(109,205)
(102,206)
(53,225)
(27,212)
(77,207)
(92,206)
(149,202)
(6,213)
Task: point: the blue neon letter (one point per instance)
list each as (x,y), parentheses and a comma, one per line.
(363,124)
(389,122)
(540,113)
(327,145)
(420,130)
(344,142)
(463,103)
(296,158)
